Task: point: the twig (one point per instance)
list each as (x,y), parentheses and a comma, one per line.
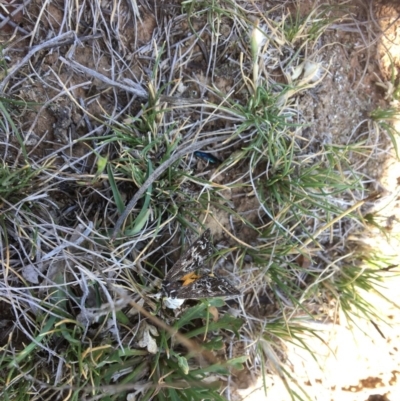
(7,20)
(12,24)
(156,173)
(134,88)
(50,43)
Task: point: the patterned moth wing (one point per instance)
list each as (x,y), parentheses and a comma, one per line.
(181,282)
(205,287)
(193,259)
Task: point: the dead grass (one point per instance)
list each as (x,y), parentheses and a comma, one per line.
(100,187)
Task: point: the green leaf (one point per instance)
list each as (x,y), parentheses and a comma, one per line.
(101,165)
(214,344)
(117,196)
(227,322)
(237,363)
(196,312)
(183,364)
(142,217)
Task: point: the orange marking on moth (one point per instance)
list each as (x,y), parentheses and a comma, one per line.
(189,278)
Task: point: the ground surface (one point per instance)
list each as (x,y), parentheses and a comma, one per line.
(352,57)
(361,364)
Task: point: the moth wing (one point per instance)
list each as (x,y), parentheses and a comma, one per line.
(207,287)
(193,259)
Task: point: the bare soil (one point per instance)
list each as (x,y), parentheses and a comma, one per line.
(364,363)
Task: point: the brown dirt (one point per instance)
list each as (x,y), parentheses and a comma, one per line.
(335,111)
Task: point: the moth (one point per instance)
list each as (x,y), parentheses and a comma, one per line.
(182,282)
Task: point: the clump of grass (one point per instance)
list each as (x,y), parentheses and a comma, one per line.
(383,118)
(15,182)
(90,329)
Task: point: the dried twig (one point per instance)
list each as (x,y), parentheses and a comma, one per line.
(58,41)
(136,89)
(7,20)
